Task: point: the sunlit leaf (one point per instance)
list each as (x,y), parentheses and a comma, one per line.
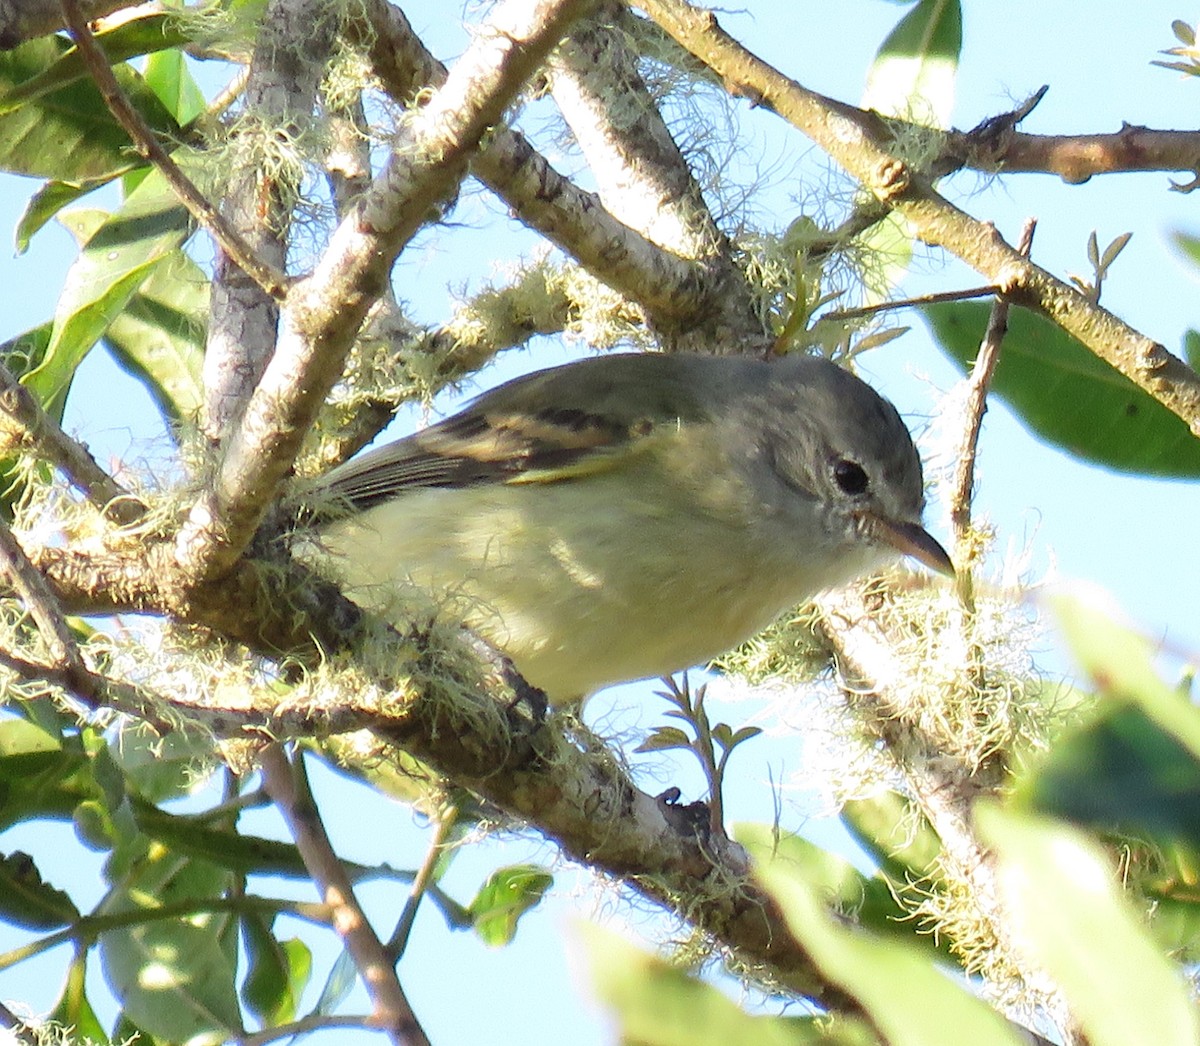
(872,900)
(44,204)
(930,1010)
(1130,763)
(174,977)
(914,71)
(1064,904)
(507,895)
(69,134)
(657,1004)
(278,971)
(115,261)
(167,75)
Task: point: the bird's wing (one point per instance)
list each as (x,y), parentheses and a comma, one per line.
(543,428)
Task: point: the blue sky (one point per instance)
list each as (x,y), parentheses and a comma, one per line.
(1135,538)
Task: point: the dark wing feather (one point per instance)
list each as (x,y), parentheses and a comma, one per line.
(474,448)
(510,433)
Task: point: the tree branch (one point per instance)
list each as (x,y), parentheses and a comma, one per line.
(1077,157)
(471,729)
(671,289)
(325,310)
(295,39)
(944,781)
(858,141)
(287,785)
(41,436)
(198,206)
(964,471)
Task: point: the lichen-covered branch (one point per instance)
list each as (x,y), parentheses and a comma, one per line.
(642,174)
(31,430)
(946,766)
(669,287)
(465,724)
(294,41)
(859,142)
(324,311)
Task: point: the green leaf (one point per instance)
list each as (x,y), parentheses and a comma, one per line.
(26,900)
(1191,348)
(278,971)
(914,71)
(159,336)
(69,133)
(244,854)
(507,895)
(44,204)
(95,825)
(1066,907)
(134,37)
(37,781)
(905,996)
(872,901)
(73,1009)
(1068,396)
(899,839)
(167,75)
(175,978)
(1123,772)
(167,767)
(657,1004)
(1132,761)
(665,737)
(116,259)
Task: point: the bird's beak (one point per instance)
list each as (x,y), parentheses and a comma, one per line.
(911,539)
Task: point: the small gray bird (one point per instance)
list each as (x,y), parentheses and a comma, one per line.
(626,516)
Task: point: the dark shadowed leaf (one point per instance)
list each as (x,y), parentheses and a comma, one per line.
(27,900)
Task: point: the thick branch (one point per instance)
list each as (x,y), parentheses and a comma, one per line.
(945,783)
(670,288)
(1077,157)
(642,174)
(471,730)
(858,141)
(281,83)
(324,311)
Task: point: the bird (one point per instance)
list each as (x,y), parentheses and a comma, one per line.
(629,515)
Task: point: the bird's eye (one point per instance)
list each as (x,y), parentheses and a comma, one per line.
(850,477)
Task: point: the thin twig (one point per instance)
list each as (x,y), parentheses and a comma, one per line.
(16,1027)
(88,928)
(39,601)
(48,441)
(273,282)
(93,689)
(977,390)
(313,1022)
(420,884)
(287,785)
(838,315)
